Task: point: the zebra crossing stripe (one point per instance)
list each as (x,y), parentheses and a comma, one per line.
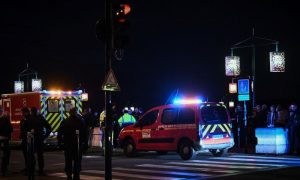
(215,165)
(82,177)
(253,159)
(268,157)
(188,168)
(131,175)
(161,172)
(237,163)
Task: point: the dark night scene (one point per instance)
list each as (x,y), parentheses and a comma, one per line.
(152,89)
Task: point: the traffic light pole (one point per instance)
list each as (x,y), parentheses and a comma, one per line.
(108,59)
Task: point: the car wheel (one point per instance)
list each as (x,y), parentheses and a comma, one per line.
(217,152)
(186,150)
(129,148)
(162,152)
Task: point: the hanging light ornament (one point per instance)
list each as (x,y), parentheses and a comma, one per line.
(19,86)
(36,84)
(232,65)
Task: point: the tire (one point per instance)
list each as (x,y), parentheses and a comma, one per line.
(218,152)
(162,152)
(129,148)
(186,150)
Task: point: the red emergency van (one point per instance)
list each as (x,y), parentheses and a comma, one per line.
(186,127)
(54,106)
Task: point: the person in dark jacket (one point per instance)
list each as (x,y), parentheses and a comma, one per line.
(294,129)
(23,134)
(5,135)
(42,129)
(72,135)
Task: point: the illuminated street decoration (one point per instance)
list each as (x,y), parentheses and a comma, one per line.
(277,62)
(36,85)
(232,88)
(231,104)
(232,65)
(19,86)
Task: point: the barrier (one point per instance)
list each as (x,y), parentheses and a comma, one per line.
(272,140)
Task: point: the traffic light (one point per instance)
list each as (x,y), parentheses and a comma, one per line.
(121,24)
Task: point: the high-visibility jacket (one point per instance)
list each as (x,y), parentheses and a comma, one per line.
(102,118)
(126,120)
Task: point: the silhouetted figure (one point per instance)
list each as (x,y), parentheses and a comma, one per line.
(72,137)
(5,135)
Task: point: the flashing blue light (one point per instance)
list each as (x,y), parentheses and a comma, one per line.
(187,101)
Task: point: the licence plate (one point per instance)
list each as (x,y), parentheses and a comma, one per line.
(218,136)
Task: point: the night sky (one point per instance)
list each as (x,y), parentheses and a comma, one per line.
(173,45)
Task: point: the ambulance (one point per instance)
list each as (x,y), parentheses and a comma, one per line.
(187,127)
(54,106)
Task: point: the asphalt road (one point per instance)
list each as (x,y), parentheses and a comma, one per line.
(153,166)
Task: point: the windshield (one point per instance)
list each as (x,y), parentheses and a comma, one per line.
(214,115)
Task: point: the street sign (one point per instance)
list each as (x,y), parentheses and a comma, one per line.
(110,82)
(243,97)
(243,86)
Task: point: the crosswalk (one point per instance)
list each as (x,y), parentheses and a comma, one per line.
(193,169)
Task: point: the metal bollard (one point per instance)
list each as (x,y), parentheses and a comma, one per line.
(30,155)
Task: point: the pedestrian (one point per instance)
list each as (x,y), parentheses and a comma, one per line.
(42,129)
(294,129)
(136,113)
(72,138)
(272,116)
(5,135)
(126,119)
(282,116)
(102,126)
(115,114)
(23,134)
(89,121)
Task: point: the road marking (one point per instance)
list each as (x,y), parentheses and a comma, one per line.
(215,165)
(131,175)
(253,159)
(237,163)
(82,177)
(188,168)
(269,157)
(162,172)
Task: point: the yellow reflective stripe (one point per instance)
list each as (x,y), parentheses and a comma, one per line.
(206,129)
(48,116)
(54,117)
(202,126)
(220,125)
(213,129)
(227,128)
(56,127)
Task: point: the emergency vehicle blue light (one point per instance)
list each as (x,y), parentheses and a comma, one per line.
(187,101)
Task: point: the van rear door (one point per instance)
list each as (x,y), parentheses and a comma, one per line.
(214,124)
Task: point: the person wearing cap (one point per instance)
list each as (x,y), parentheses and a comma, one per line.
(5,135)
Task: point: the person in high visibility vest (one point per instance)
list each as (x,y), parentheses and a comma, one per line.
(126,119)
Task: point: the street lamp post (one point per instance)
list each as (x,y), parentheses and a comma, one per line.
(36,84)
(277,63)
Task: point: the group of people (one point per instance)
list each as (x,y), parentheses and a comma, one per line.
(119,119)
(264,117)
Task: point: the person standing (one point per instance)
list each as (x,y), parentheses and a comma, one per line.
(42,129)
(88,119)
(294,129)
(272,116)
(72,137)
(23,134)
(5,135)
(115,125)
(126,120)
(282,116)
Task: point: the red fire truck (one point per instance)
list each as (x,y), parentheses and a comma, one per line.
(53,105)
